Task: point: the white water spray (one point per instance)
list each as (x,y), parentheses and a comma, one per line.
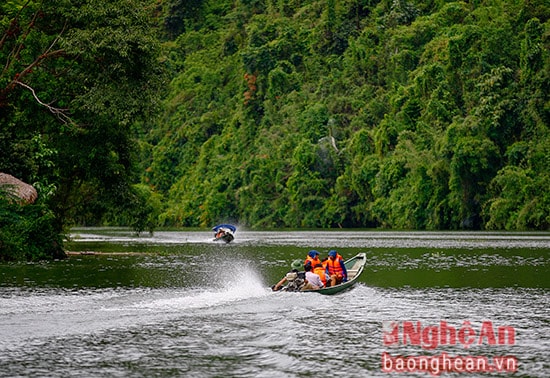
(221,287)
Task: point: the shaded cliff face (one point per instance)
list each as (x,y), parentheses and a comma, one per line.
(17,189)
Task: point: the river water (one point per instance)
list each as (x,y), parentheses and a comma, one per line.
(178,304)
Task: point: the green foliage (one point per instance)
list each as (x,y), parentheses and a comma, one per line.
(397,114)
(76,79)
(520,199)
(359,114)
(28,232)
(141,210)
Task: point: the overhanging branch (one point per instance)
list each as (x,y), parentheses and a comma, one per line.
(58,112)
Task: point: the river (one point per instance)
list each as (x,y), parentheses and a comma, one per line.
(177,304)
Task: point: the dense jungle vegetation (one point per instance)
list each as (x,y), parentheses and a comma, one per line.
(279,113)
(77,81)
(356,113)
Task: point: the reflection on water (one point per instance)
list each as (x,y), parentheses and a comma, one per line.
(177,304)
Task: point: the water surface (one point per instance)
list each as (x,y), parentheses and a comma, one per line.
(178,304)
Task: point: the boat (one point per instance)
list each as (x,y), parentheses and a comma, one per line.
(354,267)
(224,232)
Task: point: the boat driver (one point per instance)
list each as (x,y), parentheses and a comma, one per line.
(295,279)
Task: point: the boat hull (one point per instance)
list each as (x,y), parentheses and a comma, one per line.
(228,238)
(224,232)
(334,289)
(355,267)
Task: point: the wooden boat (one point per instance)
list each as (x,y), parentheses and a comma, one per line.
(224,232)
(354,267)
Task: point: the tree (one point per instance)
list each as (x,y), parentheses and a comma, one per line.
(76,78)
(356,114)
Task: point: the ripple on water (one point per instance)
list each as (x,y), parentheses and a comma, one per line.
(177,314)
(269,334)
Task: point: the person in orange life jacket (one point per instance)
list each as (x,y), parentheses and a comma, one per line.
(313,281)
(312,259)
(321,271)
(336,269)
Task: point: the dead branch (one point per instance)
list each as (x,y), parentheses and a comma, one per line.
(58,112)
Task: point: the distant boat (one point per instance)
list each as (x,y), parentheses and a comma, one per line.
(354,267)
(224,232)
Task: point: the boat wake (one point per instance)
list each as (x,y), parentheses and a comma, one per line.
(35,315)
(221,287)
(95,311)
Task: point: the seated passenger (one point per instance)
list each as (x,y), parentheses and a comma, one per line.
(312,258)
(313,281)
(336,269)
(321,271)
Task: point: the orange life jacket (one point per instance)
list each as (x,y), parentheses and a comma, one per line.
(334,266)
(321,272)
(314,261)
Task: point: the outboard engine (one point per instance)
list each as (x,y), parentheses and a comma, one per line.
(295,280)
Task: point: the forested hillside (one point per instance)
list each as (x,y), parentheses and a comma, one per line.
(279,113)
(354,113)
